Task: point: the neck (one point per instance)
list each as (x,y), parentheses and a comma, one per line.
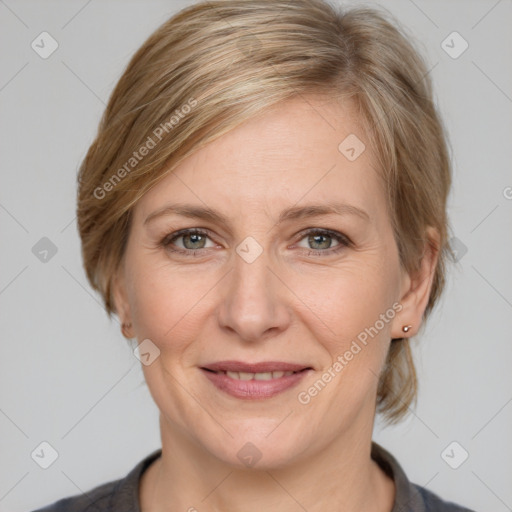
(343,477)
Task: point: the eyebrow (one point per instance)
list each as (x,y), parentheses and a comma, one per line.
(293,213)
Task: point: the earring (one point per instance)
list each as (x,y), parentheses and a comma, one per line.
(124,328)
(406,328)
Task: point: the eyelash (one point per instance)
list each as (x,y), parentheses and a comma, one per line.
(343,241)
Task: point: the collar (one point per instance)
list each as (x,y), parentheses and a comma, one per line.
(125,495)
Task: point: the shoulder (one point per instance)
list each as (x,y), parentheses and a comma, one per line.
(433,503)
(120,495)
(410,497)
(97,500)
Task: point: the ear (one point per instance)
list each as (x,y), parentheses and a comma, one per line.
(415,290)
(121,303)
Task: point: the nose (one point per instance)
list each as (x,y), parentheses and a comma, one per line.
(254,303)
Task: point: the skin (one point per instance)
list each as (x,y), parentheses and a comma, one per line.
(287,305)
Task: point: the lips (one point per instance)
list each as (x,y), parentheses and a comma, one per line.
(254,380)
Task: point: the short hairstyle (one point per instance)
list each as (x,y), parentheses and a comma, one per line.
(218,63)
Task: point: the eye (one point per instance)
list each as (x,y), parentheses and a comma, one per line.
(320,241)
(192,240)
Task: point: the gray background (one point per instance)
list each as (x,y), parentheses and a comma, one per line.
(68,377)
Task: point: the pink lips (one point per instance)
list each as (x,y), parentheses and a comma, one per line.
(254,389)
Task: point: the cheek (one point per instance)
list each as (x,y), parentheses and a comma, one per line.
(357,306)
(168,307)
(167,303)
(345,302)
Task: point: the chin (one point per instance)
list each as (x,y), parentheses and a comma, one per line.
(258,444)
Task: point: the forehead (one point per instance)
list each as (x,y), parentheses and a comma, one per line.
(302,150)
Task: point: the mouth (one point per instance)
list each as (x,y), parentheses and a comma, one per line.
(254,376)
(256,380)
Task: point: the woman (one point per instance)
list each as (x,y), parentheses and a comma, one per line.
(264,208)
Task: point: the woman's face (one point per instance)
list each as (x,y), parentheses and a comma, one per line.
(274,282)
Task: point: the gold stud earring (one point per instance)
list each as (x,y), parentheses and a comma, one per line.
(406,328)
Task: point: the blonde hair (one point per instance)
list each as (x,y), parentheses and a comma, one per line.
(218,63)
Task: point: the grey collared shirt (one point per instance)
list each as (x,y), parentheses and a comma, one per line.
(123,495)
